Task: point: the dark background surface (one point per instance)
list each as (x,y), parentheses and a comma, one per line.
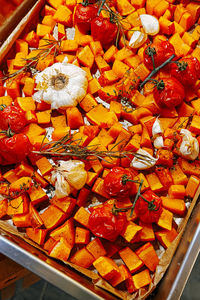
(43,290)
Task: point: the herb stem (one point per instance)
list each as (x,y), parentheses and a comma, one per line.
(156,70)
(101,7)
(136,197)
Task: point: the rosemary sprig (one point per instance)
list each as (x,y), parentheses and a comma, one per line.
(68,147)
(31,63)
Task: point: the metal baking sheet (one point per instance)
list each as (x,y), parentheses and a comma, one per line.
(73,282)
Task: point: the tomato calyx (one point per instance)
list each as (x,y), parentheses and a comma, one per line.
(151,51)
(160,85)
(2,106)
(182,66)
(151,205)
(8,132)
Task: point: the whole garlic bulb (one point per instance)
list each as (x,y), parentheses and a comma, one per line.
(61,85)
(143,161)
(189,147)
(68,175)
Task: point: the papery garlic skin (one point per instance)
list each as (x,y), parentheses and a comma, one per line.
(189,147)
(150,24)
(146,161)
(137,39)
(67,176)
(61,85)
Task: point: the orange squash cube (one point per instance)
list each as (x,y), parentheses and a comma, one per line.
(148,255)
(82,258)
(131,260)
(52,217)
(61,249)
(82,236)
(96,248)
(36,235)
(66,231)
(106,267)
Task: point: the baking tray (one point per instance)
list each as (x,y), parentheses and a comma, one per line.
(66,278)
(80,287)
(14,18)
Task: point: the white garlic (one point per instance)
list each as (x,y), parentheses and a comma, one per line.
(156,128)
(158,142)
(67,176)
(137,39)
(150,24)
(61,85)
(143,160)
(189,147)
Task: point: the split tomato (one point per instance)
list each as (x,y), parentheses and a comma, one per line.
(14,149)
(83,16)
(148,207)
(103,30)
(168,92)
(160,52)
(186,70)
(118,182)
(12,117)
(103,223)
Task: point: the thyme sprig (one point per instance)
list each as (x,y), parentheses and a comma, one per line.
(68,147)
(51,46)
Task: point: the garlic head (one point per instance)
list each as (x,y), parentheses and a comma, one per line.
(61,85)
(189,147)
(68,175)
(150,24)
(143,160)
(137,39)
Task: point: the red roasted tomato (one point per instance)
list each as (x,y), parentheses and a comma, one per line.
(103,30)
(150,210)
(169,92)
(116,182)
(103,223)
(12,117)
(161,52)
(83,16)
(187,70)
(14,149)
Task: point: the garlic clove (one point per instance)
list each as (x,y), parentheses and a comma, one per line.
(145,161)
(62,187)
(189,147)
(157,128)
(150,24)
(158,142)
(137,39)
(77,178)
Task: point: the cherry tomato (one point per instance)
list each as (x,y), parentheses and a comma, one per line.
(83,16)
(103,223)
(169,92)
(103,30)
(14,149)
(187,70)
(116,182)
(150,210)
(161,52)
(12,117)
